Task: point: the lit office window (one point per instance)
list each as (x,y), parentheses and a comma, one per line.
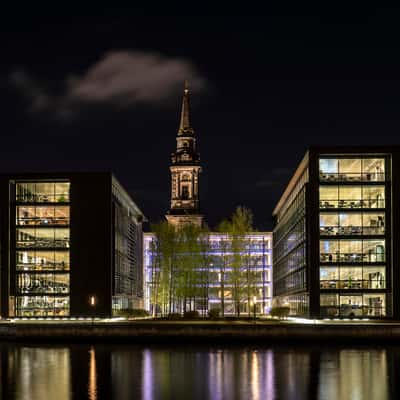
(42,248)
(42,192)
(352,169)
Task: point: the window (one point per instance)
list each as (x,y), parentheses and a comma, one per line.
(52,306)
(352,169)
(42,192)
(32,260)
(352,223)
(328,166)
(367,305)
(352,251)
(42,215)
(43,283)
(185,192)
(42,237)
(351,197)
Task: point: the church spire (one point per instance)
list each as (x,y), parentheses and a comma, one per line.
(185,173)
(184,126)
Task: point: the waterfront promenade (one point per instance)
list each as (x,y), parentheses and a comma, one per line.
(148,330)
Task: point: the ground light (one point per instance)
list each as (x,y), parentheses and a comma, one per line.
(303,320)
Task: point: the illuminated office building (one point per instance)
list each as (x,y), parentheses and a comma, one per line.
(71,246)
(218,276)
(335,252)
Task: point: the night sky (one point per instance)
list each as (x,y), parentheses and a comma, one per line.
(104,93)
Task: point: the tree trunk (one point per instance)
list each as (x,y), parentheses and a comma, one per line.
(248,291)
(222,298)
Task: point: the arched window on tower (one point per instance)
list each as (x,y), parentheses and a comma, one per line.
(185,192)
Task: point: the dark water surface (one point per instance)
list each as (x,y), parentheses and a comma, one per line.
(60,372)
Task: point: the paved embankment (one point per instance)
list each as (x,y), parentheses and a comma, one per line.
(135,331)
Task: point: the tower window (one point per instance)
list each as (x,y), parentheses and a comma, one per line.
(185,192)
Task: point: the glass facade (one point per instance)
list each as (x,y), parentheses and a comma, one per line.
(42,254)
(350,169)
(257,274)
(128,275)
(333,235)
(353,235)
(352,196)
(290,251)
(219,280)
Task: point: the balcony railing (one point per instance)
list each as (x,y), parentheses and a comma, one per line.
(352,177)
(353,284)
(50,266)
(31,309)
(352,257)
(43,243)
(43,221)
(352,203)
(42,198)
(41,288)
(351,230)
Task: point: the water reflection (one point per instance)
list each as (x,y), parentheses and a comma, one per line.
(354,374)
(150,373)
(35,373)
(92,385)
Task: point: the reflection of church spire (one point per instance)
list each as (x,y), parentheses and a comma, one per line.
(184,126)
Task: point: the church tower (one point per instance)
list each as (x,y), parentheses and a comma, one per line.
(185,171)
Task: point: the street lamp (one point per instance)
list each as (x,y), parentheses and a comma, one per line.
(255,306)
(92,301)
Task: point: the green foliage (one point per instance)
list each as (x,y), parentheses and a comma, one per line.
(164,248)
(191,314)
(242,220)
(174,316)
(180,267)
(242,277)
(214,313)
(181,264)
(131,313)
(280,312)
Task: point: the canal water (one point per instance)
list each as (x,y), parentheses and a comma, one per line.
(61,372)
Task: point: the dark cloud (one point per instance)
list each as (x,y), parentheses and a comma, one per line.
(120,78)
(30,88)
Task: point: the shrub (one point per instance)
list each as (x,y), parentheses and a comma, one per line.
(280,312)
(191,314)
(131,313)
(214,313)
(174,316)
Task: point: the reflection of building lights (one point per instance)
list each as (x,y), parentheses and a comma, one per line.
(92,301)
(255,375)
(92,385)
